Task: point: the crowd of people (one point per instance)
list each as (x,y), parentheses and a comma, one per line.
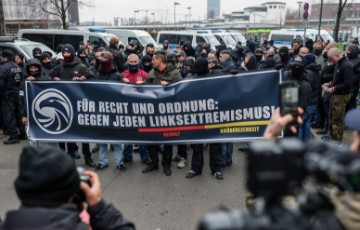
(328,86)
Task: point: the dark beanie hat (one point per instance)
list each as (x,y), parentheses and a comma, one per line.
(201,66)
(121,46)
(37,50)
(69,48)
(44,55)
(80,51)
(46,175)
(146,58)
(7,54)
(309,58)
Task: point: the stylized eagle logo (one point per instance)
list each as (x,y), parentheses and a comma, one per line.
(52,111)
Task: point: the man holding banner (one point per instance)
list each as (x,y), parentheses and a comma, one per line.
(164,74)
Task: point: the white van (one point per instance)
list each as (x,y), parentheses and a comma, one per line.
(53,38)
(324,35)
(224,37)
(175,37)
(285,38)
(126,36)
(238,37)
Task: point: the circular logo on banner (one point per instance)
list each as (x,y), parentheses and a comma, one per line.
(52,111)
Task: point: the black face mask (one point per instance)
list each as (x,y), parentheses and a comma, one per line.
(284,57)
(133,68)
(150,54)
(297,71)
(259,58)
(317,52)
(325,56)
(47,65)
(147,68)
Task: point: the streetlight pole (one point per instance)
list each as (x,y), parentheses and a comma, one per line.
(299,2)
(189,8)
(135,11)
(320,17)
(175,4)
(153,16)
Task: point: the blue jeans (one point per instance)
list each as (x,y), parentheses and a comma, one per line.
(143,149)
(103,154)
(312,112)
(304,128)
(226,153)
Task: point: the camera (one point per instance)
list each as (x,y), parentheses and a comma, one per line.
(80,196)
(278,169)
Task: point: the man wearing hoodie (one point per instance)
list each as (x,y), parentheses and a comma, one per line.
(165,45)
(313,74)
(283,58)
(189,50)
(353,56)
(226,62)
(46,64)
(73,70)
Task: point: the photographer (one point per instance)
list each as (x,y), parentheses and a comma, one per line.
(52,195)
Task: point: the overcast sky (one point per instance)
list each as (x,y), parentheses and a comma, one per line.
(107,10)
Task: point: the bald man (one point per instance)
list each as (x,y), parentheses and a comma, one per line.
(134,74)
(340,89)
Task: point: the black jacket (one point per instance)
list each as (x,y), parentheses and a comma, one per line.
(118,60)
(67,71)
(304,89)
(111,74)
(103,216)
(11,76)
(313,73)
(355,62)
(269,63)
(343,77)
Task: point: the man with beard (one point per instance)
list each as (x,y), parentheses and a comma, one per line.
(149,49)
(73,69)
(164,73)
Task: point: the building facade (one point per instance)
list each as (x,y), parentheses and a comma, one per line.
(213,9)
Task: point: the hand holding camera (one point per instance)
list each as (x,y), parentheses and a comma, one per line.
(91,187)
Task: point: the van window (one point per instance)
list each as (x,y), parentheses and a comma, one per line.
(282,37)
(46,39)
(97,41)
(168,37)
(220,39)
(184,38)
(200,39)
(74,40)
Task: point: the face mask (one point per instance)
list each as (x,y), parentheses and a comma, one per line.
(47,65)
(69,58)
(317,52)
(150,54)
(147,68)
(258,58)
(325,55)
(35,74)
(166,46)
(284,57)
(105,65)
(133,68)
(297,71)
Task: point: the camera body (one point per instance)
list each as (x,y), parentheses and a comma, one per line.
(80,196)
(278,168)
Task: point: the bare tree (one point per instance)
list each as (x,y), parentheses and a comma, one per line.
(2,19)
(57,8)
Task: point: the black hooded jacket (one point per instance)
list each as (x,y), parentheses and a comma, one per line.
(67,71)
(354,59)
(313,73)
(189,50)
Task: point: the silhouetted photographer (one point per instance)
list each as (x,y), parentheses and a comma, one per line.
(52,194)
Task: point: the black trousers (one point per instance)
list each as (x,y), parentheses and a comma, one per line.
(167,155)
(72,148)
(182,151)
(197,161)
(9,109)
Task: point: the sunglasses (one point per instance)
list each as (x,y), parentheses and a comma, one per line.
(211,62)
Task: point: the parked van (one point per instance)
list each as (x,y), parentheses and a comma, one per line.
(285,38)
(324,35)
(175,37)
(238,37)
(225,38)
(126,36)
(53,38)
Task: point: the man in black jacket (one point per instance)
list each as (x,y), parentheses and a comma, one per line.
(73,70)
(353,56)
(50,199)
(340,88)
(118,59)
